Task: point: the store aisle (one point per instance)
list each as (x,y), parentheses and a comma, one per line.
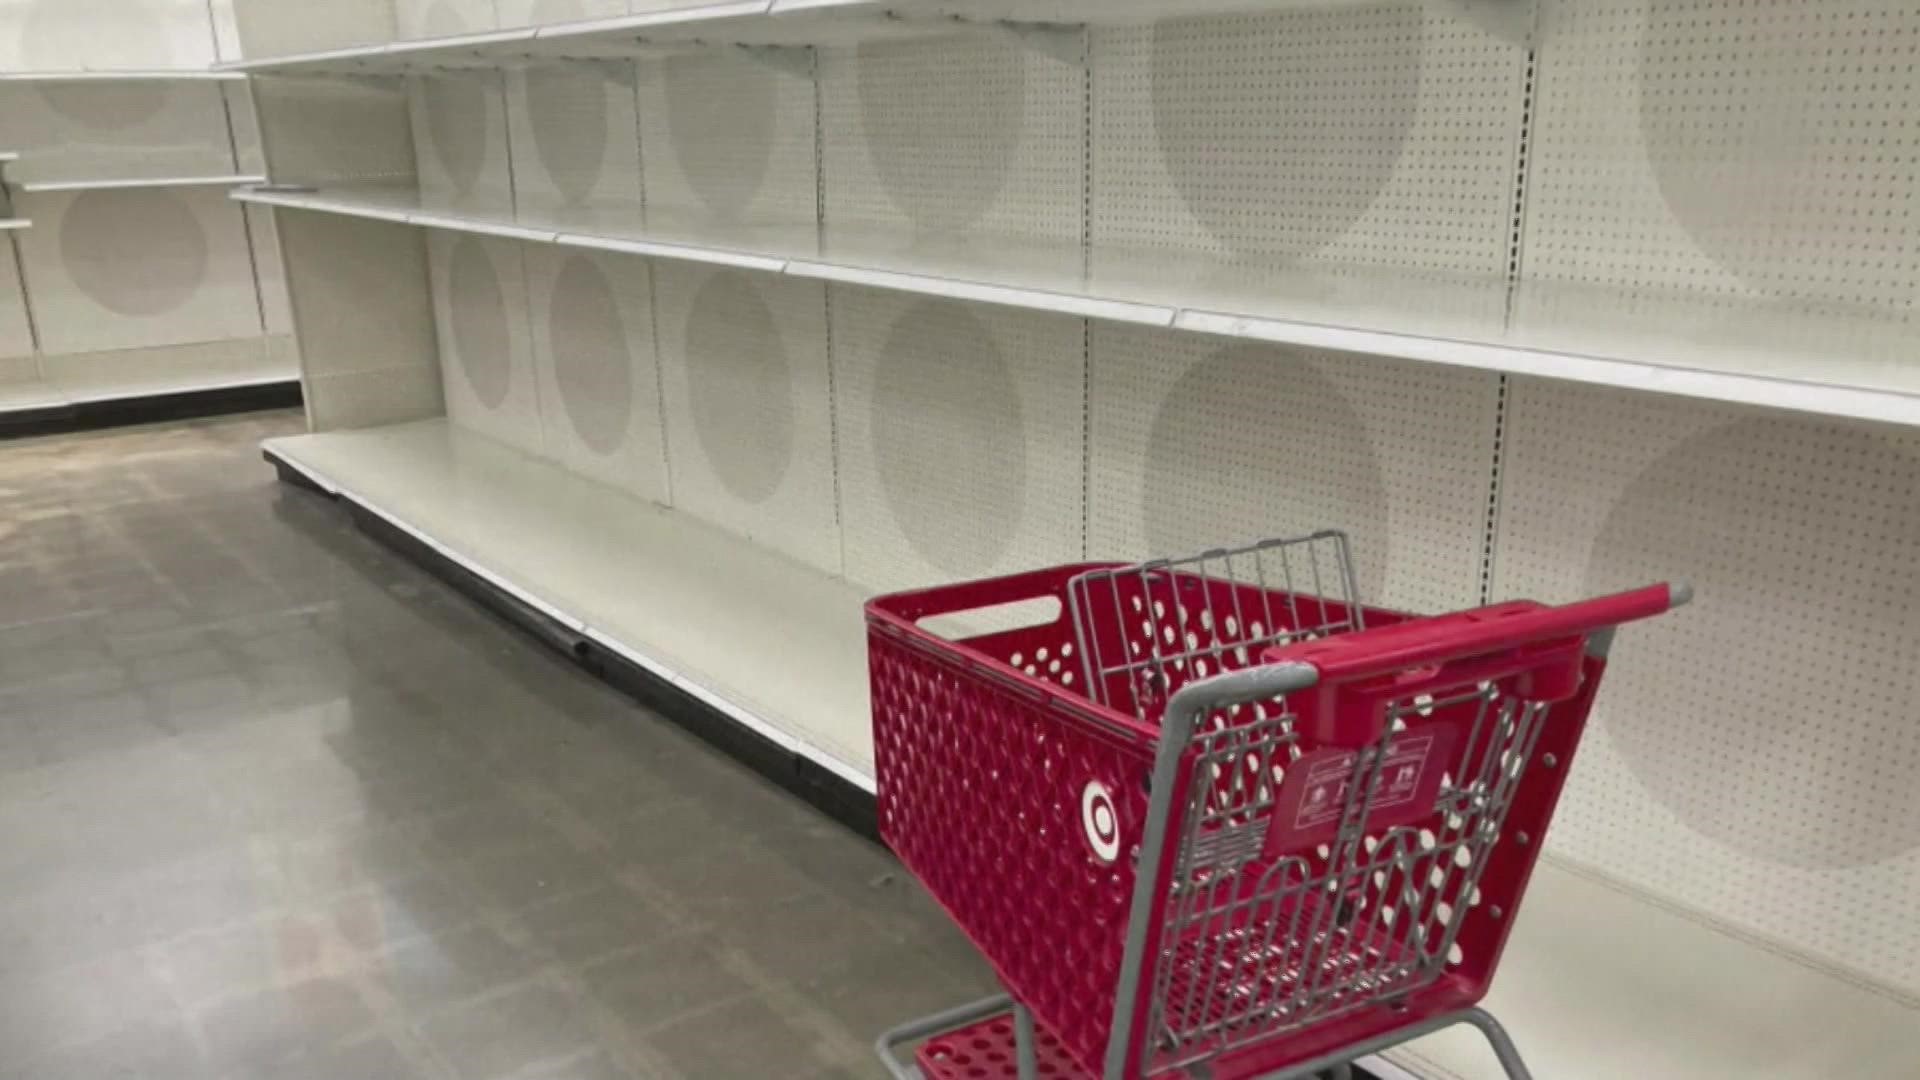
(274,802)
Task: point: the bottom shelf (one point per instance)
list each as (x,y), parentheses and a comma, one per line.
(138,384)
(775,645)
(1598,982)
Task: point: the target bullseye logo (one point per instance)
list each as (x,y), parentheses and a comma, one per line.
(1101,820)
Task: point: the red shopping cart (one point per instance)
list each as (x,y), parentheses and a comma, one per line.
(1215,818)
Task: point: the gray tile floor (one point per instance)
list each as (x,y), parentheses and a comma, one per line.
(274,803)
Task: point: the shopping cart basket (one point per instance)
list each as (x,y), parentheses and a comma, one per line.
(1214,817)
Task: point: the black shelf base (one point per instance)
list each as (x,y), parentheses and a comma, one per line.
(155,408)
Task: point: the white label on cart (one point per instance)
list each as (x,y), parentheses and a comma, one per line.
(1315,795)
(1101,821)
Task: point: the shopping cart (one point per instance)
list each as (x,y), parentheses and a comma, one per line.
(1214,818)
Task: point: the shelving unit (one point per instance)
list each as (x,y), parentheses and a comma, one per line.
(1151,290)
(139,290)
(685,330)
(786,23)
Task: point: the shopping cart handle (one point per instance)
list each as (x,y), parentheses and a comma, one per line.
(1410,645)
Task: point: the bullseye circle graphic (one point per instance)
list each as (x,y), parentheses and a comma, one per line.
(1101,821)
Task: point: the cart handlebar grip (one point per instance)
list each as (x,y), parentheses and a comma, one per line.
(1469,634)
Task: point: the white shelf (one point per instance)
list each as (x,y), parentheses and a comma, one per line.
(1592,979)
(106,377)
(735,22)
(39,186)
(14,224)
(778,646)
(7,156)
(132,75)
(1661,345)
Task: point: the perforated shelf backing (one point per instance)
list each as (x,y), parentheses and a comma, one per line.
(592,327)
(728,139)
(575,138)
(461,140)
(1378,135)
(110,131)
(1756,753)
(1197,442)
(66,35)
(954,135)
(16,332)
(1755,159)
(341,132)
(443,18)
(90,264)
(544,12)
(749,417)
(486,351)
(959,432)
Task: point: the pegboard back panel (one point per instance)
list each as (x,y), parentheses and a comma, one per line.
(71,35)
(362,302)
(1755,752)
(1379,134)
(1758,151)
(461,141)
(575,145)
(65,131)
(16,332)
(747,401)
(486,353)
(132,268)
(281,27)
(337,132)
(1197,443)
(547,12)
(729,141)
(953,136)
(599,383)
(443,18)
(960,438)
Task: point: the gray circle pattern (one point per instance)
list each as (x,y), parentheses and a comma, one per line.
(588,341)
(478,312)
(138,253)
(1737,146)
(1249,443)
(1709,746)
(1287,171)
(947,438)
(456,108)
(740,386)
(722,136)
(942,141)
(568,111)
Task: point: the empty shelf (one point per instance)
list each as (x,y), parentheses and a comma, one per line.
(735,22)
(1834,361)
(37,186)
(99,378)
(9,224)
(778,646)
(132,75)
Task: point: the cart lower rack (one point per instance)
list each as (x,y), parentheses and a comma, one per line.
(1216,818)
